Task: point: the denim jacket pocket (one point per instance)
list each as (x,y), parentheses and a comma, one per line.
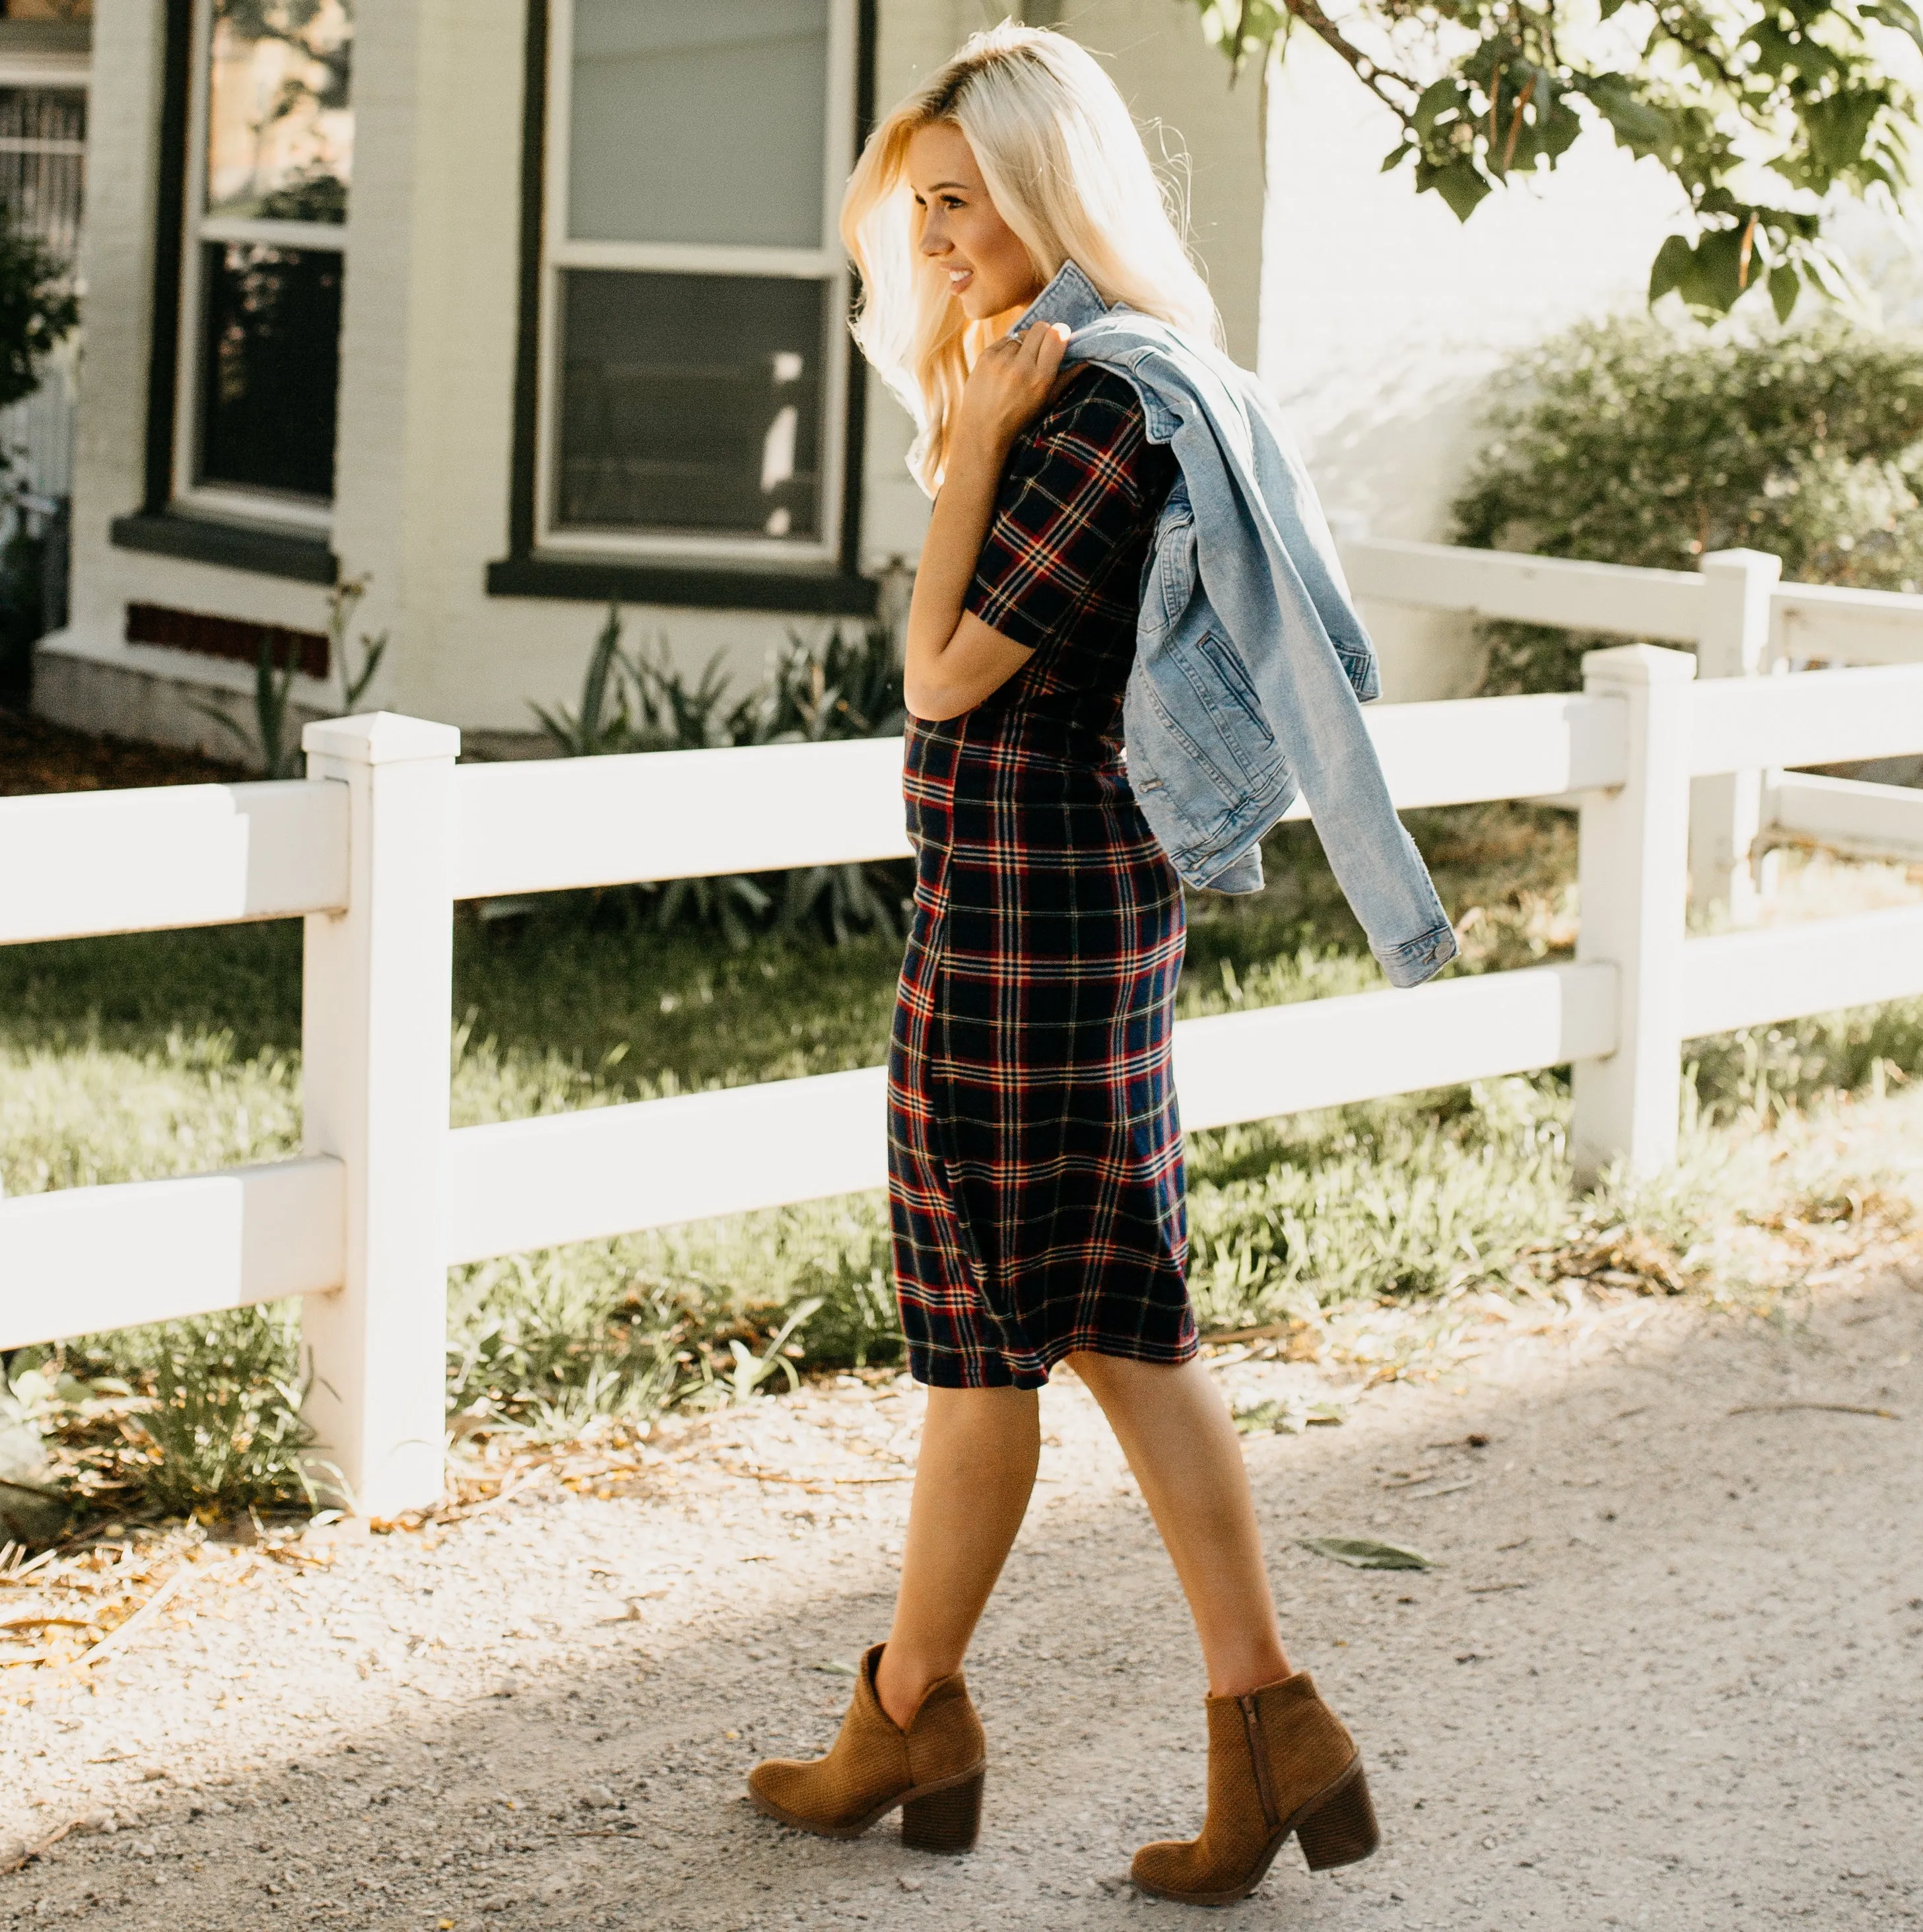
(1200,700)
(1171,574)
(1216,670)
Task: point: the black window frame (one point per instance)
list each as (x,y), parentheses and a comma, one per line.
(832,588)
(163,525)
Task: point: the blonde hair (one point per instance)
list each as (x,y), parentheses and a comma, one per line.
(1066,169)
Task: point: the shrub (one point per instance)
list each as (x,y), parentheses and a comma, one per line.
(1628,442)
(842,689)
(38,309)
(223,1431)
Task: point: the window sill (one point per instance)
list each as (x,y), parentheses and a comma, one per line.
(827,593)
(308,559)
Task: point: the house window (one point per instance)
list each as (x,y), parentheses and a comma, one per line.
(693,357)
(271,151)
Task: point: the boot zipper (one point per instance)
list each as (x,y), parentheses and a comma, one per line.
(1258,1752)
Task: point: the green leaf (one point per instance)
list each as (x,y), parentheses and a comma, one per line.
(1673,265)
(1559,130)
(1397,156)
(1839,126)
(1362,1552)
(1640,126)
(1785,286)
(1893,14)
(1776,53)
(1448,94)
(1460,182)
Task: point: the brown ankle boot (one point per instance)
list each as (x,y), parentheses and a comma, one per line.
(1279,1761)
(932,1770)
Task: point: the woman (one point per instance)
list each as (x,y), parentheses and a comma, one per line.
(1035,1155)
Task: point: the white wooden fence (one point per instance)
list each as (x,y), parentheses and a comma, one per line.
(1744,622)
(386,833)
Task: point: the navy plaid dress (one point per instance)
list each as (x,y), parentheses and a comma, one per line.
(1034,1154)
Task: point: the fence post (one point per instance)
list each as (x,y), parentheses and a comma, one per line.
(374,1031)
(1725,810)
(1633,879)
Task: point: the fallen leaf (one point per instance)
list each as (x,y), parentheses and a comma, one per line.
(1827,1408)
(1362,1552)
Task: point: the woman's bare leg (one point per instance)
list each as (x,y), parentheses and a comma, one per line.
(973,1475)
(1175,1429)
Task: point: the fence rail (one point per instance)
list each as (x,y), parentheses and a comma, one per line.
(74,863)
(1745,624)
(82,1260)
(386,833)
(1848,816)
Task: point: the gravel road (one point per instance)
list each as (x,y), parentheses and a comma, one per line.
(1669,1672)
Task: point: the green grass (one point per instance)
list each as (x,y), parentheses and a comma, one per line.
(172,1053)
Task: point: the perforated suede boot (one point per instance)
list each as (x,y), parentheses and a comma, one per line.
(932,1770)
(1279,1760)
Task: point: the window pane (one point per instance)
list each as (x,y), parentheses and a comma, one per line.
(699,123)
(43,153)
(279,120)
(270,367)
(691,404)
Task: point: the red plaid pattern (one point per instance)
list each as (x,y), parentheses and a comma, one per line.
(1035,1174)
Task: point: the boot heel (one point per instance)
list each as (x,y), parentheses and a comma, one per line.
(1342,1828)
(945,1821)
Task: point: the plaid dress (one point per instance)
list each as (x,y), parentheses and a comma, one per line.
(1034,1154)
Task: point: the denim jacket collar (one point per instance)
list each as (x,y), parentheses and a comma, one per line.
(1070,298)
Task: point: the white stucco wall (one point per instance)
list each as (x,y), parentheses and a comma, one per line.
(1384,318)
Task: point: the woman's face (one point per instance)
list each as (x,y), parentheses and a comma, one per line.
(989,270)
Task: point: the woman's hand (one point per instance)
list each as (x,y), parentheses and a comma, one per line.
(1010,381)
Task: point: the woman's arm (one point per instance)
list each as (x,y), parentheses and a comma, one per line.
(954,660)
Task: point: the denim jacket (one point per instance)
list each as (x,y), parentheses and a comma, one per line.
(1251,664)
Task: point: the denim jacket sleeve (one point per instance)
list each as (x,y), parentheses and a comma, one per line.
(1274,596)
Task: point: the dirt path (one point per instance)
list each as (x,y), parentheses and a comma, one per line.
(1670,1673)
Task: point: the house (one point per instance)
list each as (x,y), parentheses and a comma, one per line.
(513,308)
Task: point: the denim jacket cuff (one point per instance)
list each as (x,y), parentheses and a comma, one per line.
(1416,960)
(1240,874)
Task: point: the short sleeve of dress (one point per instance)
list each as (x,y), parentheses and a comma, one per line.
(1068,500)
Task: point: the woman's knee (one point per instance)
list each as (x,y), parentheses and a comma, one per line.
(1123,1375)
(989,1411)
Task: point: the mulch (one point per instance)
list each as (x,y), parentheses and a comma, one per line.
(38,756)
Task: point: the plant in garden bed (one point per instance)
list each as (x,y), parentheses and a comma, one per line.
(1628,442)
(816,693)
(196,1417)
(279,754)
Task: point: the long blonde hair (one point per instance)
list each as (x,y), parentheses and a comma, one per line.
(1067,171)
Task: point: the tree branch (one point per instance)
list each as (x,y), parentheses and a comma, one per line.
(1366,70)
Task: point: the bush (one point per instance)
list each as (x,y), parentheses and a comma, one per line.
(1628,442)
(216,1428)
(814,693)
(38,309)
